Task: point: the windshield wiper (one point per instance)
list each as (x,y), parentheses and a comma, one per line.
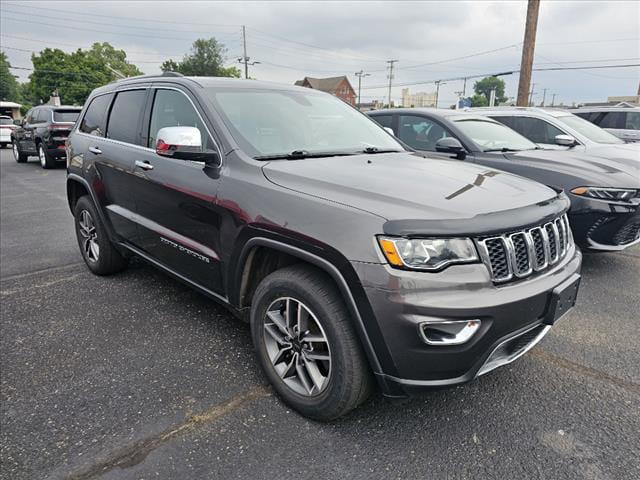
(300,154)
(378,150)
(503,149)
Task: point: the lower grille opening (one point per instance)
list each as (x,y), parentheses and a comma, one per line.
(508,351)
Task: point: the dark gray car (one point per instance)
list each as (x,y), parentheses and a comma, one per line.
(604,191)
(355,261)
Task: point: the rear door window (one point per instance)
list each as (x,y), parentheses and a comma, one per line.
(124,119)
(612,120)
(95,118)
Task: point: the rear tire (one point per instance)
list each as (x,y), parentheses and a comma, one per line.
(98,252)
(46,160)
(17,154)
(339,378)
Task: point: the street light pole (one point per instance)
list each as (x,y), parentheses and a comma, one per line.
(360,74)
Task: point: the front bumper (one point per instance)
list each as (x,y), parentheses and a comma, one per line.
(511,315)
(598,225)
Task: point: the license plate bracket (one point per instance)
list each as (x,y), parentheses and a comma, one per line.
(563,298)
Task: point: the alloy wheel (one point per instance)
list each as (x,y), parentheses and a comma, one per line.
(297,346)
(89,236)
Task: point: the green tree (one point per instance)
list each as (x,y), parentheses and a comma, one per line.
(74,75)
(484,87)
(479,101)
(8,83)
(205,59)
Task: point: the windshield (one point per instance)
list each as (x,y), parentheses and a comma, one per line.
(493,136)
(65,115)
(278,122)
(6,121)
(588,129)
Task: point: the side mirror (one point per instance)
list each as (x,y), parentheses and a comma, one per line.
(565,140)
(184,143)
(451,145)
(389,131)
(18,121)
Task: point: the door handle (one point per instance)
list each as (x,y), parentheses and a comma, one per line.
(144,165)
(95,150)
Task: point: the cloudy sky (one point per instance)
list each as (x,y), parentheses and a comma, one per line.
(431,40)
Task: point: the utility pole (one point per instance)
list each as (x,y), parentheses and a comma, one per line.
(390,62)
(553,99)
(528,46)
(245,59)
(531,93)
(544,95)
(360,74)
(438,82)
(464,87)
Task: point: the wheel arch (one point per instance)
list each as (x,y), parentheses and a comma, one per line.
(285,254)
(78,187)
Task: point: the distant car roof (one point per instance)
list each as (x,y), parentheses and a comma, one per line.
(553,112)
(605,109)
(438,112)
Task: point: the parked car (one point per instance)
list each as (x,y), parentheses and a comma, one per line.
(6,127)
(43,132)
(353,259)
(623,122)
(557,129)
(604,192)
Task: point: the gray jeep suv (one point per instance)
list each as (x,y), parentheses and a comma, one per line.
(355,261)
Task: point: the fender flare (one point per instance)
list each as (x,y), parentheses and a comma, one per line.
(74,177)
(333,272)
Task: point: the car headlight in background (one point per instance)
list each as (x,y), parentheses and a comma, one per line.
(427,253)
(606,193)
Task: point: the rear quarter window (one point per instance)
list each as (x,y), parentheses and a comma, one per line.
(95,118)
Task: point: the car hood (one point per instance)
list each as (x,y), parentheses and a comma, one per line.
(403,185)
(610,166)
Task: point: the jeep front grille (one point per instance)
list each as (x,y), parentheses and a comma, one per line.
(518,254)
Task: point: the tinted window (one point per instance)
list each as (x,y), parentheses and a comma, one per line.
(124,119)
(65,115)
(611,120)
(633,121)
(420,133)
(384,120)
(535,129)
(42,115)
(95,117)
(173,109)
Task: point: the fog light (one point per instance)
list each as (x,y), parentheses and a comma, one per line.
(448,332)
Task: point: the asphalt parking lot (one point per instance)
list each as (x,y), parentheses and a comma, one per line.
(137,377)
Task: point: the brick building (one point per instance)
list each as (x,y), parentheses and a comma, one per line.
(337,86)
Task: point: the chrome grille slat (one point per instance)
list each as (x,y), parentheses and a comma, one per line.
(518,254)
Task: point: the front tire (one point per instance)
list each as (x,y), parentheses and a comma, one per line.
(46,160)
(17,154)
(306,345)
(98,252)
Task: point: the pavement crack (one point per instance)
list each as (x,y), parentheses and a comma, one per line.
(135,453)
(584,370)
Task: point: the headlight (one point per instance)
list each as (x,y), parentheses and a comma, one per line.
(605,193)
(427,253)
